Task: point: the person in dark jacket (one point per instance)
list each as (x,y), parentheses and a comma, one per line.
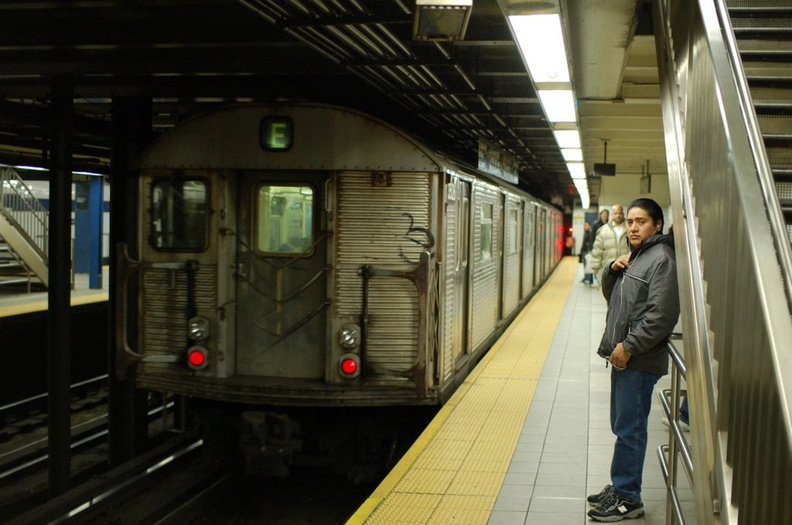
(643,309)
(604,217)
(585,248)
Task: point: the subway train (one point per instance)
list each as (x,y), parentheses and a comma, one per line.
(307,255)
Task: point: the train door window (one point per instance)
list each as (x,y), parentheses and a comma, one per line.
(486,231)
(285,219)
(179,215)
(512,230)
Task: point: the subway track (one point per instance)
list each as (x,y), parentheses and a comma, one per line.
(180,480)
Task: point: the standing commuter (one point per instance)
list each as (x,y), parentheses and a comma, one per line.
(643,309)
(604,216)
(610,241)
(585,249)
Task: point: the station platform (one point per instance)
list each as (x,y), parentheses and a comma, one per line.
(17,302)
(527,436)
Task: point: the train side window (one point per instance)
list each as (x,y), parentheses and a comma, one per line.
(512,241)
(284,219)
(179,215)
(486,231)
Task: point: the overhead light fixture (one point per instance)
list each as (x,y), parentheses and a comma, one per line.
(577,170)
(572,154)
(538,31)
(441,19)
(559,104)
(567,138)
(541,43)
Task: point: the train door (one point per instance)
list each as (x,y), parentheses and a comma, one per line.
(281,276)
(529,248)
(500,251)
(541,245)
(512,252)
(461,278)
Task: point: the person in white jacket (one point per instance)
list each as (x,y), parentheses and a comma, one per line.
(611,241)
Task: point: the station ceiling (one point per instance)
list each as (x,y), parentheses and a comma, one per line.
(190,55)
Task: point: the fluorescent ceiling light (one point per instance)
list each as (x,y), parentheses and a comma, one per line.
(584,199)
(567,138)
(559,105)
(541,43)
(576,168)
(441,19)
(572,154)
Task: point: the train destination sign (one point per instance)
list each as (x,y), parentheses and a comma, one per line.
(276,133)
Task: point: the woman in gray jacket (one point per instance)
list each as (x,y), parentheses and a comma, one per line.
(643,309)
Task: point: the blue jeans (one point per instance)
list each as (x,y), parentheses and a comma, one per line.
(684,414)
(631,401)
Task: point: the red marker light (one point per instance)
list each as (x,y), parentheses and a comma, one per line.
(196,357)
(349,366)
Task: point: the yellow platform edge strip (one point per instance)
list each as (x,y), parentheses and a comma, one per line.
(562,277)
(43,305)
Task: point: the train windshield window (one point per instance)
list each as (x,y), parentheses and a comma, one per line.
(285,219)
(178,214)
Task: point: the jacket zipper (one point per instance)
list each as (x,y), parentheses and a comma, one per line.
(621,297)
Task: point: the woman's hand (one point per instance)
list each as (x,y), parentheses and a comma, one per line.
(622,263)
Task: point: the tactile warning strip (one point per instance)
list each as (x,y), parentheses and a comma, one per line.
(454,471)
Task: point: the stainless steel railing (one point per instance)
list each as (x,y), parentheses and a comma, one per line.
(22,209)
(734,271)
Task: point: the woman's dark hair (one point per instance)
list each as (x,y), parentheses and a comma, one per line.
(651,207)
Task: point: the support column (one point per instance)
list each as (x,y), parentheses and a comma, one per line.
(131,132)
(58,314)
(88,211)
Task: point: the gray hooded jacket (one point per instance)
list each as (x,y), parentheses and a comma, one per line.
(643,305)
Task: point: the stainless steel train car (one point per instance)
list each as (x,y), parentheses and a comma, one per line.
(311,255)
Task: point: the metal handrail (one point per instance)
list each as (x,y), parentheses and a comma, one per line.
(677,445)
(765,174)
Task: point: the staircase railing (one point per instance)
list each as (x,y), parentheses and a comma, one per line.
(22,209)
(733,267)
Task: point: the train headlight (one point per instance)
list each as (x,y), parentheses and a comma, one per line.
(349,336)
(198,328)
(197,357)
(349,366)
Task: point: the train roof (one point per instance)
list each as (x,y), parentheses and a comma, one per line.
(324,137)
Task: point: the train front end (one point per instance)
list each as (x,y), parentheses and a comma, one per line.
(286,257)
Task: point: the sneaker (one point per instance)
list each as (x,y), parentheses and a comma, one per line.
(616,508)
(596,499)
